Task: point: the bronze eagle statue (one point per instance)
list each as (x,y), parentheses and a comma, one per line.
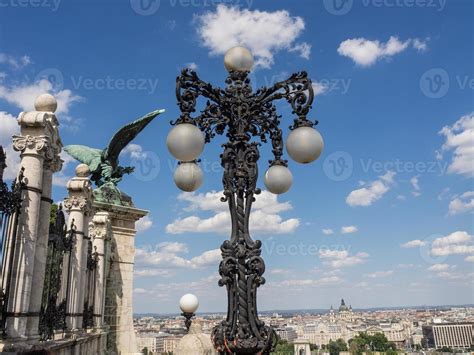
(104,164)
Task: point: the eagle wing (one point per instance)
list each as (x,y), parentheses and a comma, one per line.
(86,155)
(125,135)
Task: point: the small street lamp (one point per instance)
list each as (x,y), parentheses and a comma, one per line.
(243,115)
(188,305)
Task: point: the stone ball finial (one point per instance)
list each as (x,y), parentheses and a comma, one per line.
(82,170)
(46,103)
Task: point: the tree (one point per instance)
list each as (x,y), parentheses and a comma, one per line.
(52,215)
(283,347)
(335,347)
(364,342)
(446,349)
(145,350)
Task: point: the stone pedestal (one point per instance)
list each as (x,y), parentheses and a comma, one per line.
(118,312)
(39,146)
(79,207)
(100,232)
(195,342)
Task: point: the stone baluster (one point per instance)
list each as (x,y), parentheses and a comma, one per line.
(50,166)
(37,144)
(100,232)
(79,207)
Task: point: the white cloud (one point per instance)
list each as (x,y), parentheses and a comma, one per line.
(462,204)
(365,52)
(372,192)
(349,229)
(414,244)
(452,244)
(264,33)
(324,281)
(304,49)
(420,45)
(8,127)
(279,271)
(143,224)
(319,88)
(415,183)
(341,258)
(439,267)
(328,231)
(378,274)
(459,237)
(454,275)
(151,273)
(470,259)
(173,247)
(134,150)
(192,66)
(16,63)
(166,256)
(24,96)
(460,138)
(263,219)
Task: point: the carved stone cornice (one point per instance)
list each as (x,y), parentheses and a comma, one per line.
(55,164)
(32,144)
(100,226)
(37,119)
(78,203)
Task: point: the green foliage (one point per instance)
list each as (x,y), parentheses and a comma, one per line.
(377,342)
(283,348)
(52,215)
(145,351)
(335,347)
(446,349)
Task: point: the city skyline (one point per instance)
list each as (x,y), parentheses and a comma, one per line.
(384,218)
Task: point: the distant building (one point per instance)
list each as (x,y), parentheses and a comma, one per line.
(289,334)
(344,313)
(167,344)
(452,335)
(147,341)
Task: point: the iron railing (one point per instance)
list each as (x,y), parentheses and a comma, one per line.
(57,276)
(91,278)
(10,208)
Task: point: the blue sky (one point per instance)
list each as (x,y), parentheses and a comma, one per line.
(383,218)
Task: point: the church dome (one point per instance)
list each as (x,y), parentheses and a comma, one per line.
(343,307)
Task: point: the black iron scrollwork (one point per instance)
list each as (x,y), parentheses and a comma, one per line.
(57,277)
(242,115)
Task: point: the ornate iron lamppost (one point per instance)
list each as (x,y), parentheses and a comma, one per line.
(188,305)
(242,115)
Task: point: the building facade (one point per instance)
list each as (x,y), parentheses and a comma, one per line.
(451,335)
